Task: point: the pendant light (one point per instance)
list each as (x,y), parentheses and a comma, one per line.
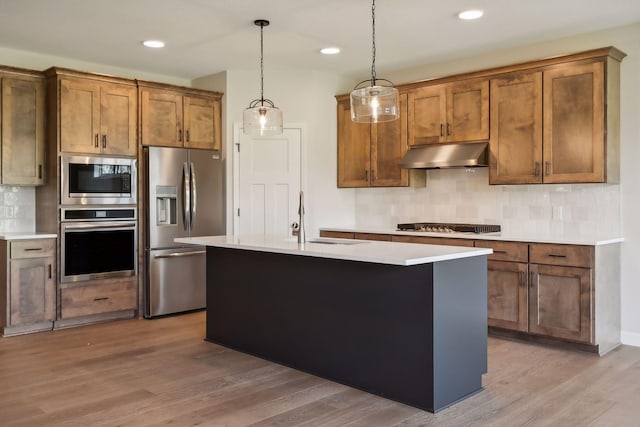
(262,117)
(375,102)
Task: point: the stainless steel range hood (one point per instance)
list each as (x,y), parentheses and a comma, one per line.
(440,156)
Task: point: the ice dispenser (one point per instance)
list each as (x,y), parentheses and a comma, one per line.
(166,204)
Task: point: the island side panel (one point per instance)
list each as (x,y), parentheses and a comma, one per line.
(460,328)
(365,325)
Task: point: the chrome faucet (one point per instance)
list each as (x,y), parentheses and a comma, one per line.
(301,234)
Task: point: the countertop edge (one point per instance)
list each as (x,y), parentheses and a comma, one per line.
(563,240)
(26,236)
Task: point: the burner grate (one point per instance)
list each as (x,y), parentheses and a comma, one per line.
(443,227)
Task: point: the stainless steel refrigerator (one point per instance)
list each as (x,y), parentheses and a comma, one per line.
(185,197)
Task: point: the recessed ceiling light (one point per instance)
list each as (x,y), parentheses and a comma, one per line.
(330,50)
(470,14)
(153,43)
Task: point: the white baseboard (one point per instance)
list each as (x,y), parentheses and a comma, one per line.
(630,338)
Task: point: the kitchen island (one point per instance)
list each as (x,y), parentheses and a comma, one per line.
(400,320)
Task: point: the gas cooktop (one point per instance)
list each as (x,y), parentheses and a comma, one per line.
(443,227)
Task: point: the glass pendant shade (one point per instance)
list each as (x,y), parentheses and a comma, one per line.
(374,104)
(262,120)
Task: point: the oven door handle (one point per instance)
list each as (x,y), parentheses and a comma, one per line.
(111,225)
(179,254)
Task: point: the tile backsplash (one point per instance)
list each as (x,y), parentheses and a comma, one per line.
(464,196)
(17,208)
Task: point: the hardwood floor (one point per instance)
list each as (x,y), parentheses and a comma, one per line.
(159,372)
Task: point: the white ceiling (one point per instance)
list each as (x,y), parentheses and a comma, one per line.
(207,36)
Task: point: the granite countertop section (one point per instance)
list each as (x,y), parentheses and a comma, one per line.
(589,240)
(393,253)
(24,235)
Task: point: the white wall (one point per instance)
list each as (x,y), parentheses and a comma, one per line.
(455,195)
(306,97)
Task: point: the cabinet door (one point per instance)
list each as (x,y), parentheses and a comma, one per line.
(507,295)
(388,147)
(79,116)
(560,302)
(23,131)
(574,136)
(468,111)
(118,124)
(201,123)
(427,118)
(354,149)
(516,130)
(32,290)
(161,118)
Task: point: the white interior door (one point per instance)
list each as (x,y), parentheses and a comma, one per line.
(268,182)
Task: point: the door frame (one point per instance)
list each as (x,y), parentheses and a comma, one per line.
(237,130)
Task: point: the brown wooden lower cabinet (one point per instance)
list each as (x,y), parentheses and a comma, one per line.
(86,300)
(337,234)
(560,302)
(27,286)
(507,295)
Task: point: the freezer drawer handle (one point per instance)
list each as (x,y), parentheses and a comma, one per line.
(178,254)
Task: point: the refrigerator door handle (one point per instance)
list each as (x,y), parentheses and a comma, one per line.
(194,196)
(186,197)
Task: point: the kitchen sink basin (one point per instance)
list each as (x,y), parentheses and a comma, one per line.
(327,241)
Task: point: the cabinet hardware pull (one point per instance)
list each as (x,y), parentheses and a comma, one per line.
(366,175)
(557,256)
(186,132)
(97,138)
(32,249)
(523,279)
(537,172)
(50,274)
(101,299)
(39,171)
(179,135)
(448,129)
(499,252)
(532,277)
(546,168)
(441,129)
(104,141)
(373,175)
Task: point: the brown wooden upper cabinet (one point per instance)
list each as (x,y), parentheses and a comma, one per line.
(97,117)
(175,118)
(558,124)
(23,128)
(449,112)
(369,154)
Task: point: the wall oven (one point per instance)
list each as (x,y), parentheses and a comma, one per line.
(97,243)
(87,180)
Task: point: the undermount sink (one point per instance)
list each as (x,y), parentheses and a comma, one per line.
(327,241)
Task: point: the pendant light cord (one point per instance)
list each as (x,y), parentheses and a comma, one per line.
(261,64)
(373,44)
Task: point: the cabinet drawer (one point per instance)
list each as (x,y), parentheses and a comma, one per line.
(36,248)
(568,255)
(337,234)
(505,251)
(433,240)
(373,236)
(95,299)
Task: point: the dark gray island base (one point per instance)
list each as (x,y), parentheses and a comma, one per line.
(415,334)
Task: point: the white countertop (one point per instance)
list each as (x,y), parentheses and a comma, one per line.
(567,239)
(346,249)
(22,235)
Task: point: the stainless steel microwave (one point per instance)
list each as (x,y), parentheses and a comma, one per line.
(88,180)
